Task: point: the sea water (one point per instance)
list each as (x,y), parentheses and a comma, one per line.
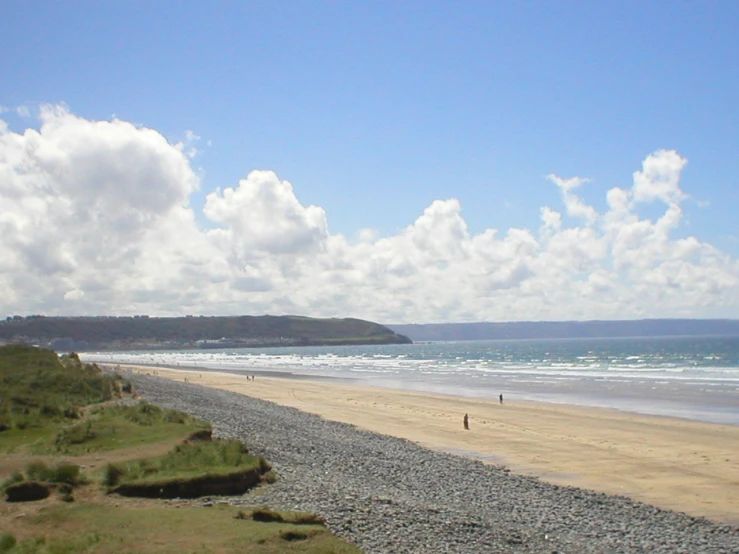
(688,377)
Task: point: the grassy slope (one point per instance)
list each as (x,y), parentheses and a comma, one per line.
(53,406)
(113,427)
(104,528)
(217,458)
(37,389)
(41,394)
(36,386)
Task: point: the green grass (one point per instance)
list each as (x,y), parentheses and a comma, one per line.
(52,405)
(61,472)
(36,439)
(38,389)
(219,457)
(45,408)
(116,426)
(100,528)
(7,542)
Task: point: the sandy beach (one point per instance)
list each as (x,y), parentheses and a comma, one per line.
(674,464)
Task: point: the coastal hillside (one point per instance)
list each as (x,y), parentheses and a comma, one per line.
(569,329)
(142,332)
(89,467)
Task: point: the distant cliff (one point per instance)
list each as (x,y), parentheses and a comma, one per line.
(142,332)
(569,329)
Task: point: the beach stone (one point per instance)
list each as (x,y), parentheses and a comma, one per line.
(389,495)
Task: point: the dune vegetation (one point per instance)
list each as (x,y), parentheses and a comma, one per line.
(89,467)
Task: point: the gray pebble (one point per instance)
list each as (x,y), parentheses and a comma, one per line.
(389,495)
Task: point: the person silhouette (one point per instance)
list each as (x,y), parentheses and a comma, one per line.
(501,397)
(466,422)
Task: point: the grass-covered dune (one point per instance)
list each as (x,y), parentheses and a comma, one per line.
(40,391)
(172,332)
(208,468)
(85,466)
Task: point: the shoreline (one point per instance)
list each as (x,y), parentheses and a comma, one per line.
(671,463)
(709,401)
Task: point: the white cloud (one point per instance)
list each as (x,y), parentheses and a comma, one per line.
(75,294)
(575,206)
(21,111)
(552,220)
(263,214)
(659,178)
(187,145)
(95,219)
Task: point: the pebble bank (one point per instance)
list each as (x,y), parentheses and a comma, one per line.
(389,495)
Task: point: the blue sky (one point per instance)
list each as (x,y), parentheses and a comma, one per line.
(375,110)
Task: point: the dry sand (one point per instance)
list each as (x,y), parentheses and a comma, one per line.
(676,464)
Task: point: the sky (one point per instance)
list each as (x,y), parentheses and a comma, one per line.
(404,162)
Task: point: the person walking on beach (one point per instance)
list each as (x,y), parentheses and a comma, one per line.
(501,397)
(466,422)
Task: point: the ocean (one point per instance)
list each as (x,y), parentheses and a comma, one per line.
(688,377)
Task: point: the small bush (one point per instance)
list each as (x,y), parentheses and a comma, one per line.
(204,435)
(7,542)
(37,471)
(264,466)
(68,474)
(142,413)
(111,475)
(307,519)
(173,416)
(76,434)
(24,422)
(266,515)
(61,473)
(291,536)
(271,477)
(48,410)
(23,401)
(16,477)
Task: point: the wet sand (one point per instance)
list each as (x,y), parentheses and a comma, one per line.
(676,464)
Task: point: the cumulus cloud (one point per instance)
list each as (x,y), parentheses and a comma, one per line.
(263,214)
(575,206)
(95,219)
(659,178)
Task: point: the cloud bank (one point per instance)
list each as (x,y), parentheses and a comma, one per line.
(94,219)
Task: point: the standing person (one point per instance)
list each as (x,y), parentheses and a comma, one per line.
(501,397)
(466,422)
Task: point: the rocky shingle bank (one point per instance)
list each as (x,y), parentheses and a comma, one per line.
(389,495)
